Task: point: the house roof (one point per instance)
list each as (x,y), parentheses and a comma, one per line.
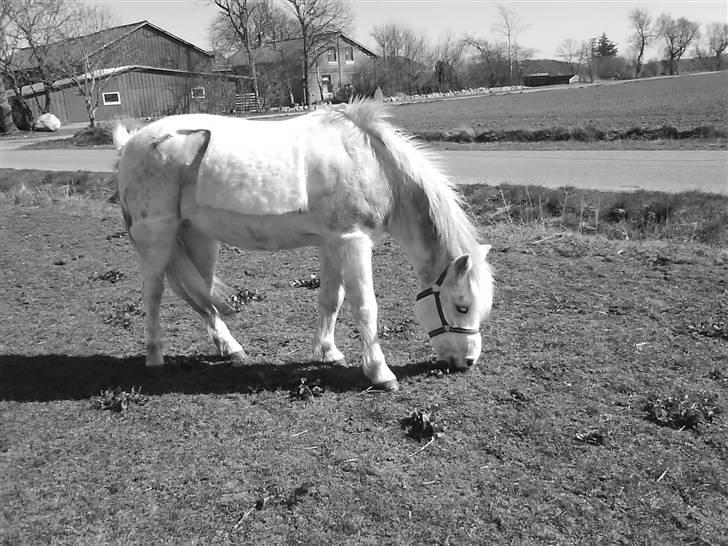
(23,58)
(270,52)
(38,88)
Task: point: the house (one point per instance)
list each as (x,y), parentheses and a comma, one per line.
(335,69)
(143,70)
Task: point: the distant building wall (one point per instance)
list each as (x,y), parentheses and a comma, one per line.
(147,93)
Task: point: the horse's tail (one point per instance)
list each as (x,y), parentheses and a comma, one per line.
(121,136)
(187,281)
(413,173)
(162,242)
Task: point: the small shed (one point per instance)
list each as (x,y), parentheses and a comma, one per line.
(544,78)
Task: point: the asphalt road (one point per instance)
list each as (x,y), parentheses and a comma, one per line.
(669,171)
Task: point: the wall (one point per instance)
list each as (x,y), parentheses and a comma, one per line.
(146,94)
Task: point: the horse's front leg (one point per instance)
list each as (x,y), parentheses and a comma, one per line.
(356,253)
(330,298)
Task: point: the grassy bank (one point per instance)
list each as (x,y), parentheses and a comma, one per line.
(689,216)
(586,133)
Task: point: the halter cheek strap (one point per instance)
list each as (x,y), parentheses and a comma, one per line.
(435,291)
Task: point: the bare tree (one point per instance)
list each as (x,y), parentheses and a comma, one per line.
(319,21)
(587,58)
(238,14)
(678,34)
(447,54)
(404,53)
(572,53)
(35,26)
(492,62)
(7,124)
(509,27)
(82,55)
(643,33)
(716,39)
(272,24)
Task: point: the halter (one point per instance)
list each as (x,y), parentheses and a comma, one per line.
(435,291)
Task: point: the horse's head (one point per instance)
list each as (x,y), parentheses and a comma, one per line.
(452,309)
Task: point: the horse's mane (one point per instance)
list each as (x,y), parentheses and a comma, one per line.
(421,183)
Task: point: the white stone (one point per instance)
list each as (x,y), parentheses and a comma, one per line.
(47,122)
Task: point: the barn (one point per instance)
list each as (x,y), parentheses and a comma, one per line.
(142,71)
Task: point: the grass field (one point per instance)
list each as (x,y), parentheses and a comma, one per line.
(593,417)
(683,103)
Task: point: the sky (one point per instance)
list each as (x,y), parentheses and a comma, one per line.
(546,24)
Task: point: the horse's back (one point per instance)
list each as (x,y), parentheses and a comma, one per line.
(317,164)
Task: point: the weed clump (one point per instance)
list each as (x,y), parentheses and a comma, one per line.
(98,135)
(682,412)
(124,315)
(312,283)
(419,425)
(307,391)
(118,400)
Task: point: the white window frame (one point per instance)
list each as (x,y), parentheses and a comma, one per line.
(109,102)
(193,89)
(346,50)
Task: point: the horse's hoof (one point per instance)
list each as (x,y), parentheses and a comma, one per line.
(237,358)
(388,386)
(341,363)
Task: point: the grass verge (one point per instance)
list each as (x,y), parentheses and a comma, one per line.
(689,216)
(586,133)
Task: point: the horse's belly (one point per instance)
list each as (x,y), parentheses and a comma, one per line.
(257,232)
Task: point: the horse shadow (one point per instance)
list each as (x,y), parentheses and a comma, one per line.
(44,378)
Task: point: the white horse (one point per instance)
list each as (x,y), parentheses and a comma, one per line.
(330,179)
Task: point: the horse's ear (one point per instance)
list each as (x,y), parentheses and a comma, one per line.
(461,266)
(484,249)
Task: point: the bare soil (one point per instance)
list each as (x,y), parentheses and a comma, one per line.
(551,439)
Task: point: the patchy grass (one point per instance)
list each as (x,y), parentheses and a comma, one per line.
(548,440)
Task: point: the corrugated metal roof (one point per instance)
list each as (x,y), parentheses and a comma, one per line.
(23,58)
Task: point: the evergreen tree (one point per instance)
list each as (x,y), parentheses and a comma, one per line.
(604,47)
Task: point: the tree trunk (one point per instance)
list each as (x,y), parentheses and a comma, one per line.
(91,111)
(638,64)
(304,79)
(7,123)
(253,73)
(47,105)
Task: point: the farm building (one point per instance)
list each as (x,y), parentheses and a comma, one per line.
(332,76)
(141,70)
(538,80)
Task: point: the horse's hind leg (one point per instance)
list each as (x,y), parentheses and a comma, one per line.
(330,298)
(355,252)
(203,251)
(154,241)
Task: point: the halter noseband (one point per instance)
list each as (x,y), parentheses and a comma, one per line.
(435,291)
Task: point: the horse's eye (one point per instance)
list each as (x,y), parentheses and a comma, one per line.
(462,309)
